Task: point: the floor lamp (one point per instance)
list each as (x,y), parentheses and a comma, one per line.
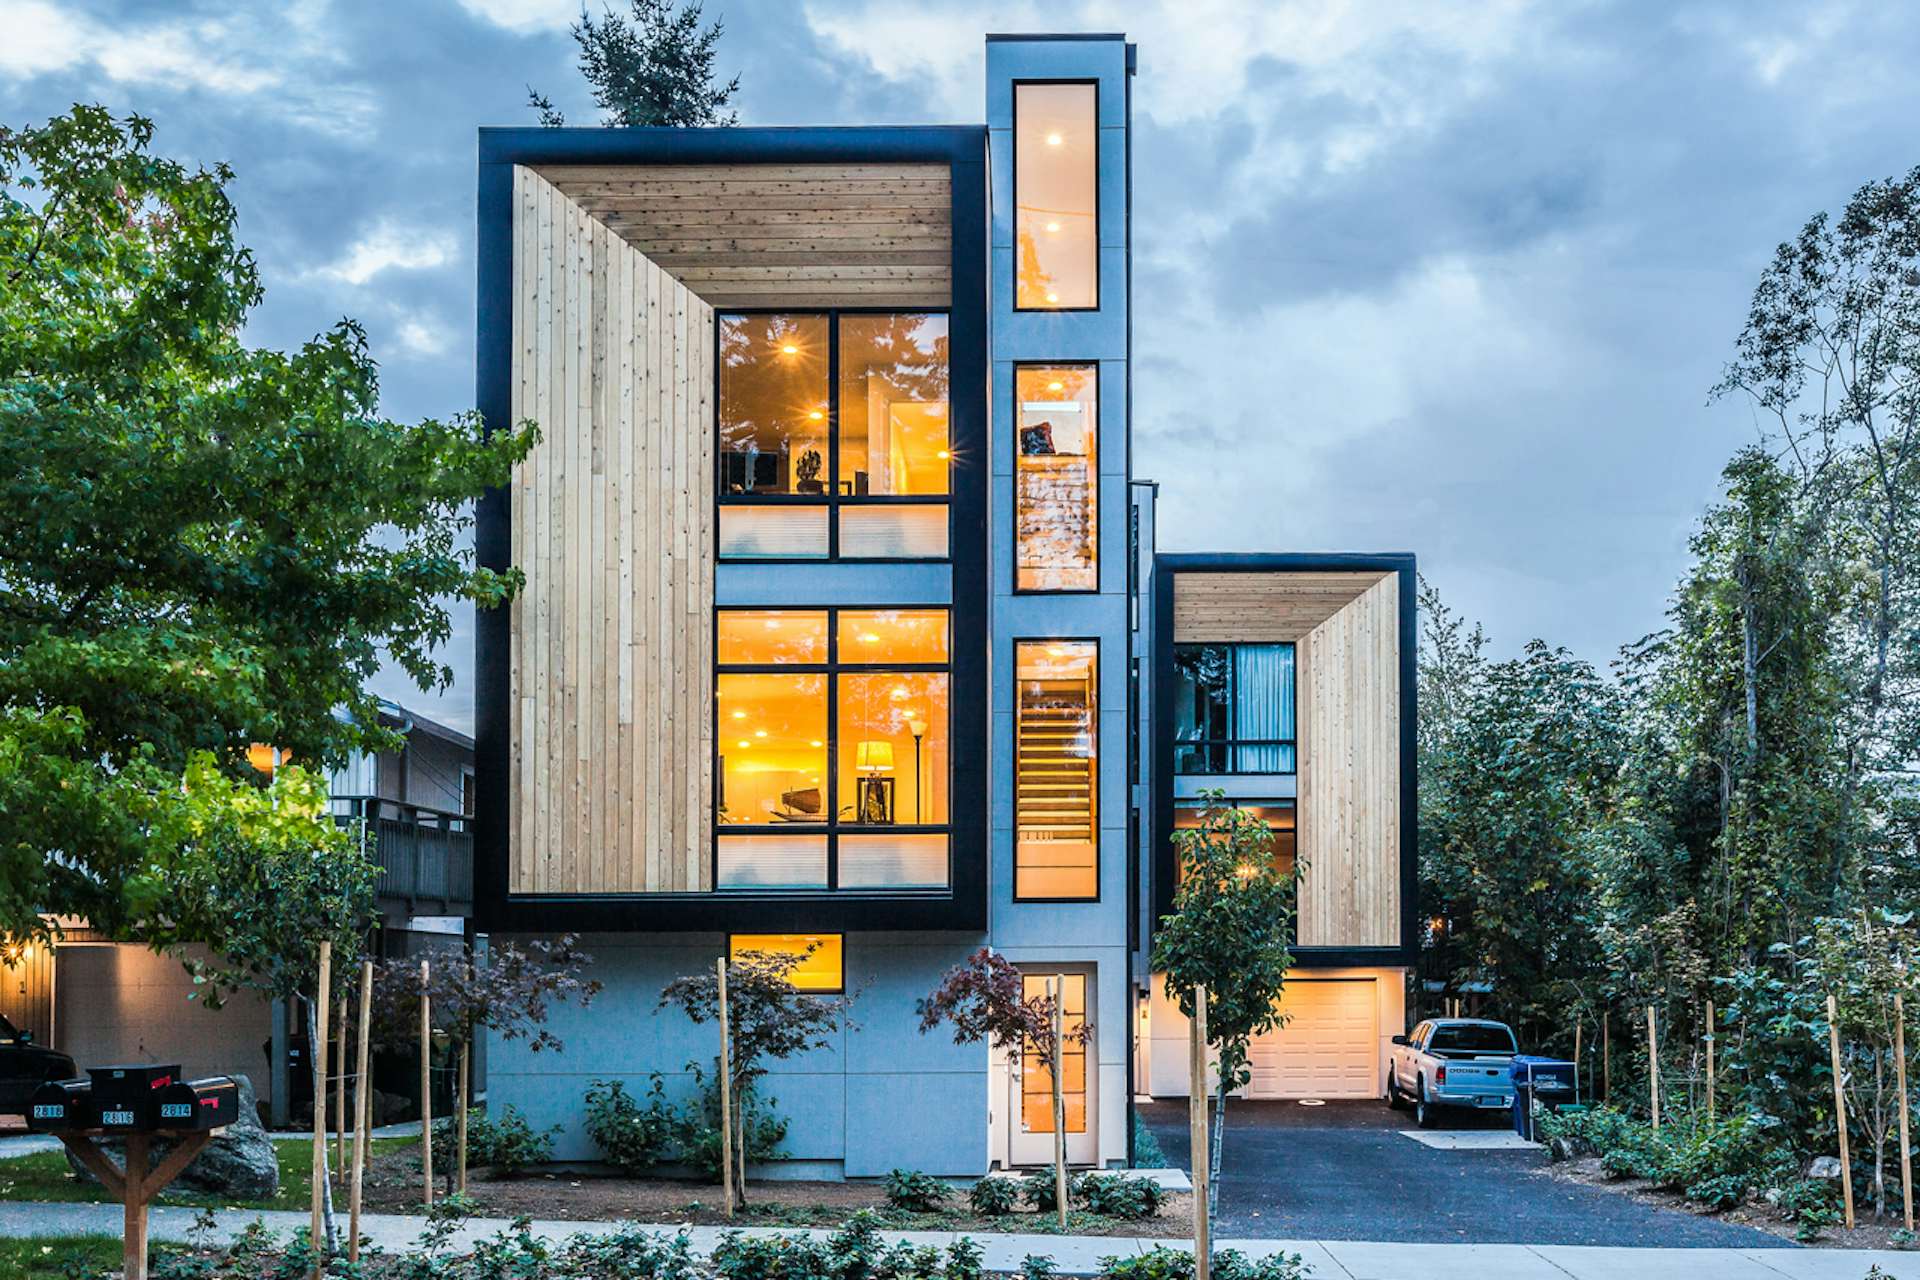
(918,728)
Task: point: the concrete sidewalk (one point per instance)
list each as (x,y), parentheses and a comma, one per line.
(1080,1255)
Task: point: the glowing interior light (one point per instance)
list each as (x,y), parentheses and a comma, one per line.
(1053,226)
(1054,139)
(789,350)
(1056,386)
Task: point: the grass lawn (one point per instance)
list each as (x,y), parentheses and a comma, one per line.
(48,1255)
(45,1176)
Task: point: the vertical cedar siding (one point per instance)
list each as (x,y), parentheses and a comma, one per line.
(611,639)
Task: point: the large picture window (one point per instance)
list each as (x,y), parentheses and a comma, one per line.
(832,738)
(1057,770)
(1233,708)
(834,435)
(1056,188)
(1057,478)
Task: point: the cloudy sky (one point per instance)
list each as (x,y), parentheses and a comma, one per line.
(1410,275)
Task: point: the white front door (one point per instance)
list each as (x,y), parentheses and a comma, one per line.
(1329,1046)
(1030,1136)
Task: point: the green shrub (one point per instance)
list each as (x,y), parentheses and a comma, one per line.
(631,1253)
(506,1142)
(856,1251)
(739,1257)
(1162,1263)
(1117,1195)
(993,1197)
(919,1192)
(1038,1190)
(696,1126)
(1038,1266)
(1146,1148)
(965,1260)
(1812,1205)
(632,1138)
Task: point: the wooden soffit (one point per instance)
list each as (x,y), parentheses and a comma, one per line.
(779,235)
(1261,607)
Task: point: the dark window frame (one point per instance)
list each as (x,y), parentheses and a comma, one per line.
(1099,417)
(832,501)
(1228,746)
(830,827)
(1098,748)
(1013,141)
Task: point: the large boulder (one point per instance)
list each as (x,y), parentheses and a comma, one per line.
(239,1163)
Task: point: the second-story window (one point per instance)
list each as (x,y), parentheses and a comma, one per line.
(1057,478)
(1056,187)
(1233,708)
(834,436)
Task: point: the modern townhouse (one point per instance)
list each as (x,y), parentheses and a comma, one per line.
(842,626)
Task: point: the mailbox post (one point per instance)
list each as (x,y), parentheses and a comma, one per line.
(138,1104)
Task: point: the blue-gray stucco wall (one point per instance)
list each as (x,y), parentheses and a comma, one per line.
(881,1095)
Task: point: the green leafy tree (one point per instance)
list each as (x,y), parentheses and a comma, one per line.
(650,66)
(203,545)
(1231,930)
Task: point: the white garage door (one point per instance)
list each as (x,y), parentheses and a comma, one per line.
(119,1003)
(1329,1048)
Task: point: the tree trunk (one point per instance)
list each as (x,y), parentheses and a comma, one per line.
(320,1101)
(1219,1146)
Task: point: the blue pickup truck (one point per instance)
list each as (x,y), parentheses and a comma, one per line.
(1452,1062)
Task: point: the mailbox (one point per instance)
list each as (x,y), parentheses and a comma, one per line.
(124,1096)
(60,1105)
(212,1103)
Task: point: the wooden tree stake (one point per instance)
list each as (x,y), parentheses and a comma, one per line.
(1653,1068)
(1197,1133)
(318,1050)
(460,1116)
(1900,1076)
(426,1086)
(340,1099)
(363,1112)
(1710,1039)
(1840,1107)
(1576,1057)
(726,1093)
(1606,1055)
(1057,992)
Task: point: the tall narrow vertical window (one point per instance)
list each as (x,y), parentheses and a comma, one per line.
(1057,770)
(1057,478)
(1056,142)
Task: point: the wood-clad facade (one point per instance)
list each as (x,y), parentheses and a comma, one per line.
(1349,798)
(606,260)
(610,685)
(1350,620)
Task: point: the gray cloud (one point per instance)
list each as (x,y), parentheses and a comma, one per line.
(1453,279)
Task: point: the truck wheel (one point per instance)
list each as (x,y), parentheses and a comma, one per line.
(1425,1114)
(1396,1101)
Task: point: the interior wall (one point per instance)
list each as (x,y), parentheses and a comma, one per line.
(1349,781)
(610,676)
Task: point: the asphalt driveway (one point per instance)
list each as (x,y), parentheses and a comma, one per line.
(1343,1172)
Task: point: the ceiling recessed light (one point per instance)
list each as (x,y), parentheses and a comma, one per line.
(745,743)
(867,637)
(1053,226)
(739,715)
(944,455)
(759,733)
(1056,651)
(1054,139)
(1056,386)
(899,692)
(814,743)
(1053,297)
(790,350)
(816,415)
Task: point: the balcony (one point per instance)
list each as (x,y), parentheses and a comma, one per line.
(425,855)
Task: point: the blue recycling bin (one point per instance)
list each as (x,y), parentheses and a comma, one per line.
(1551,1082)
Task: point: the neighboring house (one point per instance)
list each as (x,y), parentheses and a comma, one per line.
(104,1001)
(843,627)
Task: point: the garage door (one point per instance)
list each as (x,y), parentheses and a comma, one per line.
(121,1003)
(1329,1048)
